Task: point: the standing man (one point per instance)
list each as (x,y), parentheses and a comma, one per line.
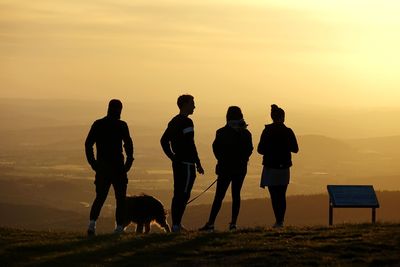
(109,134)
(178,144)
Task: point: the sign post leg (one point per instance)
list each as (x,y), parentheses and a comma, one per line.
(330,215)
(373,215)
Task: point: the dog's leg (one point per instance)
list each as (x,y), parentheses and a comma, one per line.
(147,227)
(164,225)
(139,228)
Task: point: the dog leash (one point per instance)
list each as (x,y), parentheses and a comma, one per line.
(193,199)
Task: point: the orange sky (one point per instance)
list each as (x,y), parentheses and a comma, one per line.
(334,53)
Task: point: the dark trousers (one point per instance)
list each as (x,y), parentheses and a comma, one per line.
(222,186)
(278,200)
(184,176)
(102,187)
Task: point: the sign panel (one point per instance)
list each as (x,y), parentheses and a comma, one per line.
(355,196)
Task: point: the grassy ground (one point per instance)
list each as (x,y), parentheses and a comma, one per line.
(342,245)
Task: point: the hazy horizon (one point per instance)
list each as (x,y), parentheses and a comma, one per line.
(340,122)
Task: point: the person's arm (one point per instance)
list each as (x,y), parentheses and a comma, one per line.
(188,132)
(198,165)
(249,145)
(197,159)
(294,147)
(89,143)
(261,144)
(165,143)
(128,146)
(216,146)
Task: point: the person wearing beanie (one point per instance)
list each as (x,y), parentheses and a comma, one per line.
(111,136)
(277,142)
(232,148)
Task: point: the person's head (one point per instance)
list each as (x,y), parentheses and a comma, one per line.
(234,113)
(114,108)
(186,104)
(277,114)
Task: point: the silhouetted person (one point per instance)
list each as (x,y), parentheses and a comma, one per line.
(178,144)
(232,147)
(276,145)
(110,134)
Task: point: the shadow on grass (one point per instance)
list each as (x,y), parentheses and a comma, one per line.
(79,252)
(146,250)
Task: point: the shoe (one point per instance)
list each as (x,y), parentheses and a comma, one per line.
(277,225)
(91,231)
(176,228)
(207,228)
(232,227)
(119,230)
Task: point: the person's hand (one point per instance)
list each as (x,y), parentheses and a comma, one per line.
(128,164)
(173,158)
(200,169)
(127,167)
(94,165)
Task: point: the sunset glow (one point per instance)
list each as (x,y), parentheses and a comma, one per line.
(252,52)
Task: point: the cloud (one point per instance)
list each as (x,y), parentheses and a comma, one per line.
(168,23)
(103,44)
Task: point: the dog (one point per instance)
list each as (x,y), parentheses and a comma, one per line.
(143,210)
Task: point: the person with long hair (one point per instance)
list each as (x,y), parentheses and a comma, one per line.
(232,147)
(277,143)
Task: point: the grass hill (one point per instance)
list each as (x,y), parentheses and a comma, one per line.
(342,245)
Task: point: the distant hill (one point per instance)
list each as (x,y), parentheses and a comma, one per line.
(344,245)
(301,211)
(39,217)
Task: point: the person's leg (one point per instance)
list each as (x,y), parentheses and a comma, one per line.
(120,197)
(222,186)
(281,198)
(278,200)
(273,192)
(178,193)
(237,183)
(184,176)
(102,188)
(190,176)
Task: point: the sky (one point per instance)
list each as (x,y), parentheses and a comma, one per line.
(252,53)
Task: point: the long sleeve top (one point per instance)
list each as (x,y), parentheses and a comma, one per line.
(178,140)
(232,148)
(277,142)
(110,136)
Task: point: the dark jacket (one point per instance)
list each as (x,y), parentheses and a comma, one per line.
(232,148)
(276,144)
(109,134)
(178,140)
